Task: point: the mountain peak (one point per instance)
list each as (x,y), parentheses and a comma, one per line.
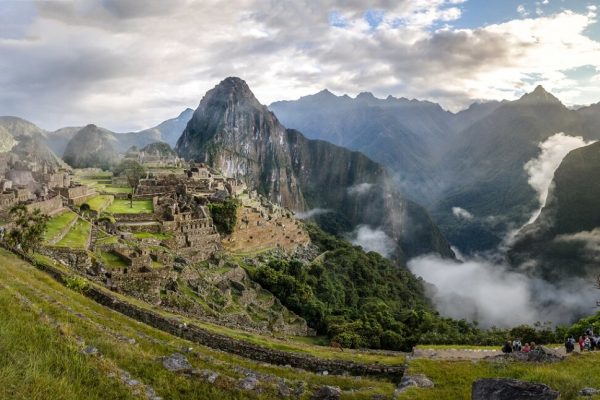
(540,95)
(365,96)
(325,93)
(231,89)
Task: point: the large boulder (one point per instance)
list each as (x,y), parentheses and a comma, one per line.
(510,389)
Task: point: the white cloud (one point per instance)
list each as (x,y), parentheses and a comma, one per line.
(541,169)
(373,240)
(461,213)
(496,296)
(130,64)
(311,213)
(522,10)
(359,188)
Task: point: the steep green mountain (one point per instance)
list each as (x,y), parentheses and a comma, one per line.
(565,239)
(232,131)
(92,147)
(159,149)
(28,142)
(167,131)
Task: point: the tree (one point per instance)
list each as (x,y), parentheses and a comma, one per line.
(84,209)
(133,171)
(224,215)
(29,228)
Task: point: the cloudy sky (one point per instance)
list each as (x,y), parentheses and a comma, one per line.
(129,64)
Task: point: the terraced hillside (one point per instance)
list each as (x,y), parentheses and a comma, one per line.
(76,348)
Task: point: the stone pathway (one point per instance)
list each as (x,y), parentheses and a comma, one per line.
(462,354)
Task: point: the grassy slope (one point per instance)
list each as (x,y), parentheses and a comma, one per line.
(120,206)
(77,237)
(36,362)
(58,223)
(99,203)
(80,318)
(453,379)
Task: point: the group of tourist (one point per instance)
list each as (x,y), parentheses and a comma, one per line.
(516,347)
(587,342)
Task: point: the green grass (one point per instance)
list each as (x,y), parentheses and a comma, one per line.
(122,206)
(57,223)
(111,260)
(77,237)
(150,235)
(453,379)
(101,182)
(36,362)
(99,203)
(78,317)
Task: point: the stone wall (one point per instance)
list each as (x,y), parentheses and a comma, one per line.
(78,260)
(135,217)
(8,199)
(47,206)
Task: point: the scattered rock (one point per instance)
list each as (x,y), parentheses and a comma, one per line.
(283,390)
(177,363)
(249,383)
(510,389)
(588,392)
(299,390)
(210,376)
(417,380)
(327,393)
(90,351)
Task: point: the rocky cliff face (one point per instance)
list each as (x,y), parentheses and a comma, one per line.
(91,147)
(233,132)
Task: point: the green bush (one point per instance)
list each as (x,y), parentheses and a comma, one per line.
(77,283)
(224,215)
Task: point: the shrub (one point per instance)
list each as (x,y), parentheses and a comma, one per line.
(77,283)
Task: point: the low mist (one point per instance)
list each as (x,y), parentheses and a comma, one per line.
(492,294)
(373,240)
(541,169)
(311,213)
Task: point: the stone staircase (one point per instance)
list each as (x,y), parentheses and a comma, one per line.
(93,236)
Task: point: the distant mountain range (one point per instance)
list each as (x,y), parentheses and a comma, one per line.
(472,160)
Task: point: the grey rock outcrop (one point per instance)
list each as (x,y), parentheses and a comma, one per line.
(510,389)
(177,363)
(327,393)
(417,380)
